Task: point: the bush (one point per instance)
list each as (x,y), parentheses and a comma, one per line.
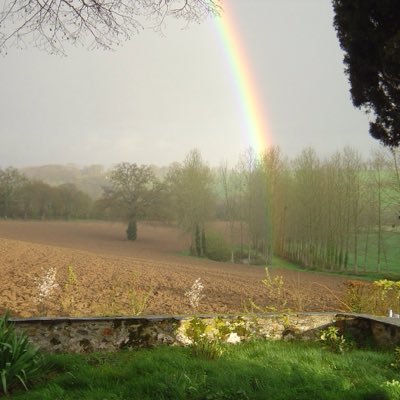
(131,232)
(217,249)
(333,341)
(242,257)
(20,361)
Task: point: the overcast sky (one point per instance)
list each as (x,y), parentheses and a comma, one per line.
(157,97)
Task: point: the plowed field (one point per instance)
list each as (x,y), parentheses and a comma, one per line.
(114,276)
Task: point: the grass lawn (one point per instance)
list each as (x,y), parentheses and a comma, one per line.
(257,370)
(390,259)
(390,253)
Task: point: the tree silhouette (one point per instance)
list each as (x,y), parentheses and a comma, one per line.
(369,34)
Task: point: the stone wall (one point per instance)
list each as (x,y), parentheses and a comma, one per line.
(111,334)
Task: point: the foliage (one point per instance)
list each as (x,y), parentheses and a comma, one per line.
(369,34)
(132,193)
(20,361)
(275,286)
(256,370)
(207,339)
(376,297)
(38,200)
(205,342)
(276,293)
(332,340)
(392,388)
(396,362)
(190,187)
(217,248)
(11,180)
(282,296)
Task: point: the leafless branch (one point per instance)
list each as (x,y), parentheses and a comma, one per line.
(49,24)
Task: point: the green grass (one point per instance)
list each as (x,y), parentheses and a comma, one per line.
(390,259)
(258,370)
(390,256)
(278,262)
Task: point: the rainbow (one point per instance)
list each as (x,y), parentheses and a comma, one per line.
(253,111)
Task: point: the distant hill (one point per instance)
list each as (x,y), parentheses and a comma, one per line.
(90,179)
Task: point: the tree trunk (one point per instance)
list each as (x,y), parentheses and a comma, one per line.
(131,231)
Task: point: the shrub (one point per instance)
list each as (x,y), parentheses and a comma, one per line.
(20,361)
(373,298)
(131,232)
(217,249)
(207,341)
(255,257)
(202,344)
(333,341)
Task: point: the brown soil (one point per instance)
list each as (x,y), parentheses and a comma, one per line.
(113,273)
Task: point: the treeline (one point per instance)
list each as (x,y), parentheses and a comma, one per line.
(318,213)
(21,197)
(334,213)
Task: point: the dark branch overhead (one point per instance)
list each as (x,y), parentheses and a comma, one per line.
(50,24)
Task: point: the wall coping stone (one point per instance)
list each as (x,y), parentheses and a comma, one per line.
(384,320)
(170,317)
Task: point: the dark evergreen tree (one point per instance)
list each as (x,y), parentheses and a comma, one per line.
(369,34)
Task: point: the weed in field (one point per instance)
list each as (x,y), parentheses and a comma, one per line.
(194,294)
(138,301)
(124,297)
(46,286)
(70,291)
(276,293)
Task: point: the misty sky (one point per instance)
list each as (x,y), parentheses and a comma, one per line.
(158,96)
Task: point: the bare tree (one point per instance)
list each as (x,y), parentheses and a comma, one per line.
(50,24)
